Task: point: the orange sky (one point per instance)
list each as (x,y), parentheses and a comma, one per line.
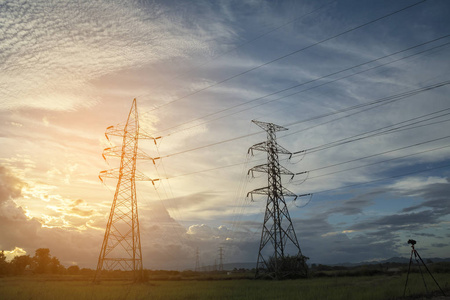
(201,72)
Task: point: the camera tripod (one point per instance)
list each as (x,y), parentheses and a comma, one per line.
(416,255)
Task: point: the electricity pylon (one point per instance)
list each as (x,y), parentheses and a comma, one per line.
(277,229)
(220,259)
(197,261)
(121,247)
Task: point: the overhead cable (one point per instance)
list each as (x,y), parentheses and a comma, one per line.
(288,55)
(305,83)
(259,132)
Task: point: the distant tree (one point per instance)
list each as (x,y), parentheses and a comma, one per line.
(19,264)
(55,266)
(73,270)
(289,266)
(87,272)
(42,260)
(4,266)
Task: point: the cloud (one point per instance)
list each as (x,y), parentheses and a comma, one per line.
(52,51)
(10,186)
(28,233)
(410,221)
(68,57)
(439,245)
(435,195)
(322,244)
(354,205)
(76,210)
(206,232)
(17,229)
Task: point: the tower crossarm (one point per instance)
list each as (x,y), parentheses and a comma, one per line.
(117,152)
(146,136)
(267,126)
(266,191)
(264,168)
(264,146)
(120,129)
(115,173)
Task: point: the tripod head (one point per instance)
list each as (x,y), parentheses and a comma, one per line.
(412,242)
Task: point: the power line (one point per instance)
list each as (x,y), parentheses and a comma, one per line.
(287,55)
(376,180)
(320,168)
(305,83)
(384,178)
(374,132)
(213,144)
(380,102)
(382,153)
(374,163)
(254,39)
(407,94)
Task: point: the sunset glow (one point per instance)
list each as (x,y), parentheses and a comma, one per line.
(362,86)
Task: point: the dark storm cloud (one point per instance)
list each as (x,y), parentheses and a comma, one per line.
(409,221)
(436,197)
(320,241)
(426,234)
(354,205)
(439,245)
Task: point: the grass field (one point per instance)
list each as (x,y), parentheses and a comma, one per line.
(370,287)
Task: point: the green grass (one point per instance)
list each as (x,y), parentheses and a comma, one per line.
(65,288)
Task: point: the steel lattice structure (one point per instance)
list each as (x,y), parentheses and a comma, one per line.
(121,247)
(277,229)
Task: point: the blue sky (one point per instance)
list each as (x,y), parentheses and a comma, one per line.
(201,71)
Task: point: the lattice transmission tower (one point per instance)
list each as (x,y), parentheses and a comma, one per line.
(279,254)
(121,247)
(220,259)
(197,261)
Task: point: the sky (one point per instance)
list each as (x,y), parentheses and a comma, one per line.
(361,86)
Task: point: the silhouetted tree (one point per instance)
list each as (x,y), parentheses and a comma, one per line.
(3,264)
(19,264)
(55,266)
(42,260)
(73,270)
(289,266)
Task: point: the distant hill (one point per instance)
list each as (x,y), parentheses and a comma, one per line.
(231,266)
(402,260)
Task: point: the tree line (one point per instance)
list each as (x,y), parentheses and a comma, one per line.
(41,263)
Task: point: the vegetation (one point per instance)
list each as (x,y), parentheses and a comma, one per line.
(288,267)
(43,277)
(41,263)
(331,288)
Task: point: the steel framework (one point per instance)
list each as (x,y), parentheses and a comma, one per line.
(121,247)
(277,228)
(220,259)
(197,261)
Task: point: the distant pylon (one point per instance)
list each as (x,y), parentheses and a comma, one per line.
(121,247)
(220,259)
(197,261)
(277,230)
